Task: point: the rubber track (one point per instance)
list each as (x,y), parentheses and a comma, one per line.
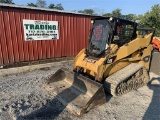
(112,81)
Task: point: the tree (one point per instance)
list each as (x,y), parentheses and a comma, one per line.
(131,17)
(107,15)
(6,1)
(32,4)
(152,18)
(59,7)
(117,13)
(114,13)
(51,6)
(88,11)
(41,3)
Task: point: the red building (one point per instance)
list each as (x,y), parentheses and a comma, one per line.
(73,30)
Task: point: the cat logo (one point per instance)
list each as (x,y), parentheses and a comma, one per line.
(110,60)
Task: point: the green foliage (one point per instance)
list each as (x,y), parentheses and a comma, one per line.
(151,18)
(107,15)
(131,17)
(6,1)
(88,11)
(51,6)
(32,5)
(117,13)
(59,7)
(41,3)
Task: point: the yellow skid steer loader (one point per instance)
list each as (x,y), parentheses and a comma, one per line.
(115,61)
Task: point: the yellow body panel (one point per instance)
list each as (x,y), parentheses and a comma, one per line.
(126,54)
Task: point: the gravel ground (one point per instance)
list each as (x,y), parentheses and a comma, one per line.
(23,97)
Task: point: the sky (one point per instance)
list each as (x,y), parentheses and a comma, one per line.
(101,6)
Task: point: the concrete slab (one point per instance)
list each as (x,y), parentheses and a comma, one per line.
(155,64)
(16,70)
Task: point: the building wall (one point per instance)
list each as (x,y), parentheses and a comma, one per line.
(73,29)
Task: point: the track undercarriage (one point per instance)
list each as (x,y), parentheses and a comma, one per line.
(129,78)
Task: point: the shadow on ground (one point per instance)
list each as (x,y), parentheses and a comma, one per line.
(153,111)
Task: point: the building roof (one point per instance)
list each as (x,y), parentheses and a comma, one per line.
(43,9)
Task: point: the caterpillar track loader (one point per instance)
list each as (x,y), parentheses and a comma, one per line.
(116,61)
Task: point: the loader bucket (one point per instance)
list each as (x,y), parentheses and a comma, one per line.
(77,93)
